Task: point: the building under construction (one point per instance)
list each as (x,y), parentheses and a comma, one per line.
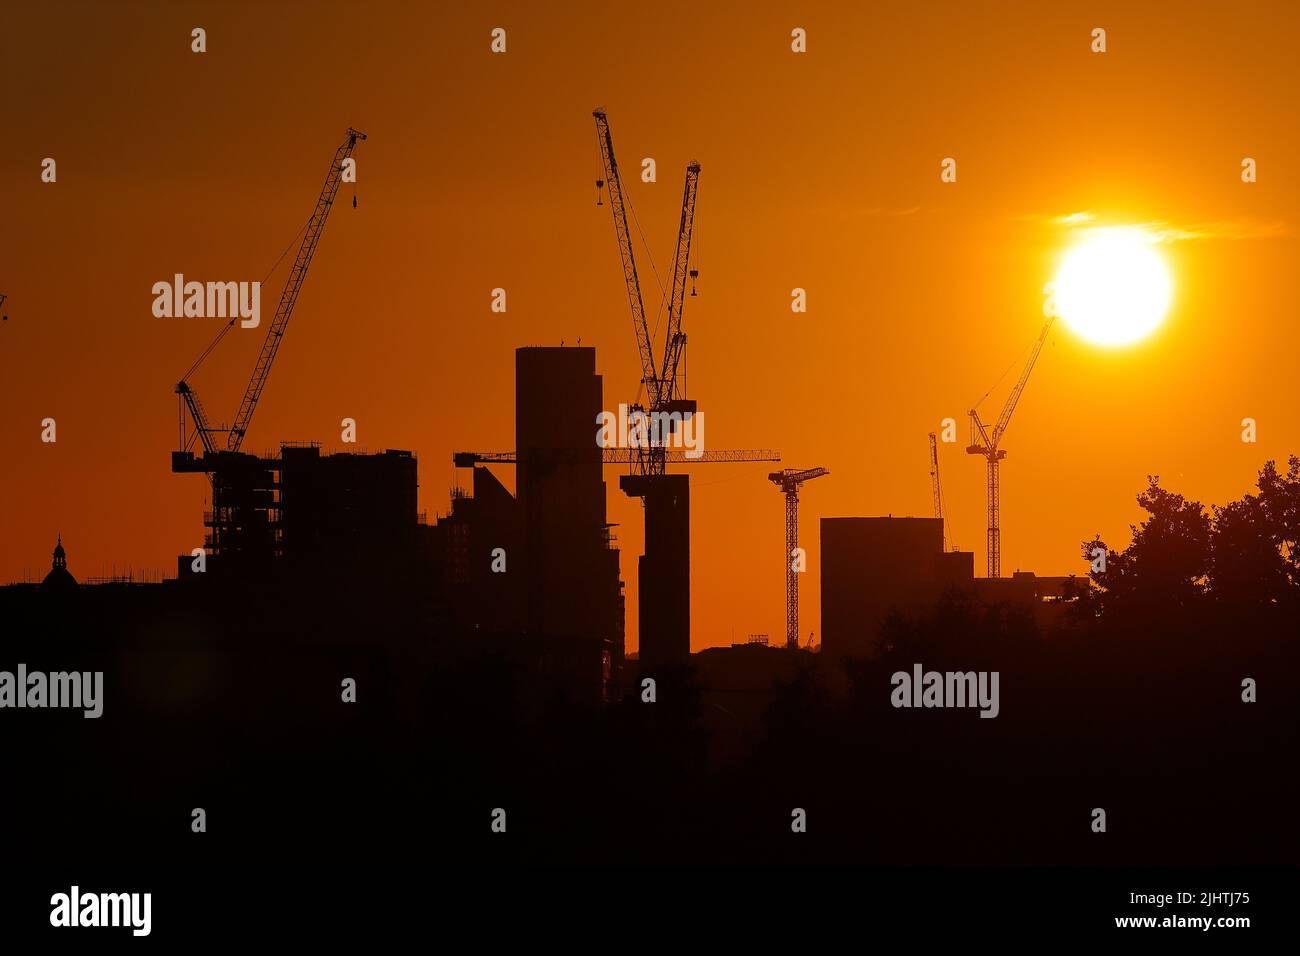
(535,573)
(298,509)
(302,511)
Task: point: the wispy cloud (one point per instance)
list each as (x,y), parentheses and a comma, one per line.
(1223,229)
(1164,231)
(1073,219)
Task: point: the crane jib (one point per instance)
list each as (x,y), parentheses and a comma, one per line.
(614,184)
(275,331)
(289,297)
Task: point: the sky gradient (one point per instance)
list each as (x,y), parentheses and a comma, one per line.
(819,171)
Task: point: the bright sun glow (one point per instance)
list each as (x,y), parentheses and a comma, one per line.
(1113,287)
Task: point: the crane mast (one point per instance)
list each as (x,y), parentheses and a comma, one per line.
(987,445)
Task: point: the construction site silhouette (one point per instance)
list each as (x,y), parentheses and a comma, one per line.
(477,689)
(333,669)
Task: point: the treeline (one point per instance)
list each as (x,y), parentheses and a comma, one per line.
(1243,556)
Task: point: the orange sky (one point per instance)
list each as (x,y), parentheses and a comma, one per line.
(819,170)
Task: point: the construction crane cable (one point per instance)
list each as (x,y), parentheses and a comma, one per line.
(292,243)
(646,245)
(1014,363)
(208,351)
(311,236)
(627,201)
(227,327)
(663,293)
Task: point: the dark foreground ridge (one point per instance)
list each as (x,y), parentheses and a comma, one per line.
(238,709)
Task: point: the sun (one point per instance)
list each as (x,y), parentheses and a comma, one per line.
(1113,287)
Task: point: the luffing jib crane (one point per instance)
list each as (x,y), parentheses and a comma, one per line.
(789,481)
(986,443)
(275,331)
(661,382)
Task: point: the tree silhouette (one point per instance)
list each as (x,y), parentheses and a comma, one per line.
(1279,499)
(1242,556)
(1246,565)
(1166,565)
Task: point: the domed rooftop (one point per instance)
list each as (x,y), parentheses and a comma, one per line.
(59,578)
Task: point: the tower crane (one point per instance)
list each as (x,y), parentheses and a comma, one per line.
(664,569)
(664,393)
(235,433)
(987,443)
(789,481)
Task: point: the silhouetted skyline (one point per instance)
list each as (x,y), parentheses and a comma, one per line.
(874,448)
(819,173)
